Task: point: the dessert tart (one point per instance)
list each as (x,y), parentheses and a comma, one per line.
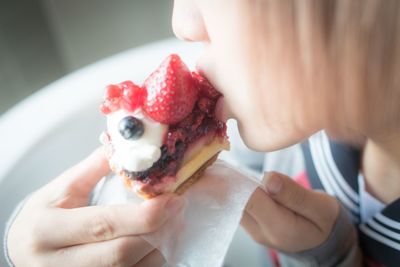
(162,135)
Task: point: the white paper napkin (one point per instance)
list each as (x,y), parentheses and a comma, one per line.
(200,235)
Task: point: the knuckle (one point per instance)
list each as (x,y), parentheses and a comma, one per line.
(101,227)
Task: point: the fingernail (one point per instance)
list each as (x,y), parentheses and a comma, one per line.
(174,204)
(274,184)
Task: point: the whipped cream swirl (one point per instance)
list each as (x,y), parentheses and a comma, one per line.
(140,154)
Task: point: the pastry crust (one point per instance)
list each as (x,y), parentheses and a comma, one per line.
(196,176)
(179,187)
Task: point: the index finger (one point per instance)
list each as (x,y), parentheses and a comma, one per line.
(87,172)
(308,203)
(77,182)
(280,226)
(67,227)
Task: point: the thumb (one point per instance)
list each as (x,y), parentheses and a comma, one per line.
(310,204)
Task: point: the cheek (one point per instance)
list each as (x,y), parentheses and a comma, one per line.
(259,86)
(270,115)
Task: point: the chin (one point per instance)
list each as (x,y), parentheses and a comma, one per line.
(265,139)
(255,141)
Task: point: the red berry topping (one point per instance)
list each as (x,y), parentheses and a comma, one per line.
(126,95)
(171,91)
(205,87)
(113,91)
(205,105)
(105,108)
(133,95)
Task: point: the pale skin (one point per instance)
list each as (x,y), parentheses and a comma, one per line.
(57,228)
(274,107)
(250,56)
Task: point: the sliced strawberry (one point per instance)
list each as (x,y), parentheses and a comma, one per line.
(171,91)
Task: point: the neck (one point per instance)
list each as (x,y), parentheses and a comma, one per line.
(381,167)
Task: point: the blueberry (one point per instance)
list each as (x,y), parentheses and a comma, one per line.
(131,128)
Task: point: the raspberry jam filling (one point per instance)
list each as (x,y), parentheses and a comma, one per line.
(181,136)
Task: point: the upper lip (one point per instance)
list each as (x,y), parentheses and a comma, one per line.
(202,70)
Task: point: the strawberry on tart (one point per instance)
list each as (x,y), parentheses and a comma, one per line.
(162,135)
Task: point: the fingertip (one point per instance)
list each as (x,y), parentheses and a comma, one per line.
(86,173)
(99,156)
(170,202)
(160,209)
(96,164)
(166,204)
(273,183)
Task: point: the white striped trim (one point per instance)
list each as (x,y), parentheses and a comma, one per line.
(335,171)
(326,177)
(326,183)
(379,237)
(379,228)
(385,220)
(318,168)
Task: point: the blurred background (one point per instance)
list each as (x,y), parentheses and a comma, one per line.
(43,40)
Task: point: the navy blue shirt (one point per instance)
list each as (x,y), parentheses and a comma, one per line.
(334,167)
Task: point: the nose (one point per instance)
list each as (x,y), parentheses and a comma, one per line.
(187,21)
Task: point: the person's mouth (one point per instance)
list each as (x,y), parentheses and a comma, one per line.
(221,112)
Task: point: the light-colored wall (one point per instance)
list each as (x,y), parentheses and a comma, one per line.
(42,40)
(28,56)
(87,30)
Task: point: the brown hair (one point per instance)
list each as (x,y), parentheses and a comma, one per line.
(350,46)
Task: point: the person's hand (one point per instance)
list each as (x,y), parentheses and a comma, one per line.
(56,228)
(288,217)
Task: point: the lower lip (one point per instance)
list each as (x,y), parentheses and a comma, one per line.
(220,110)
